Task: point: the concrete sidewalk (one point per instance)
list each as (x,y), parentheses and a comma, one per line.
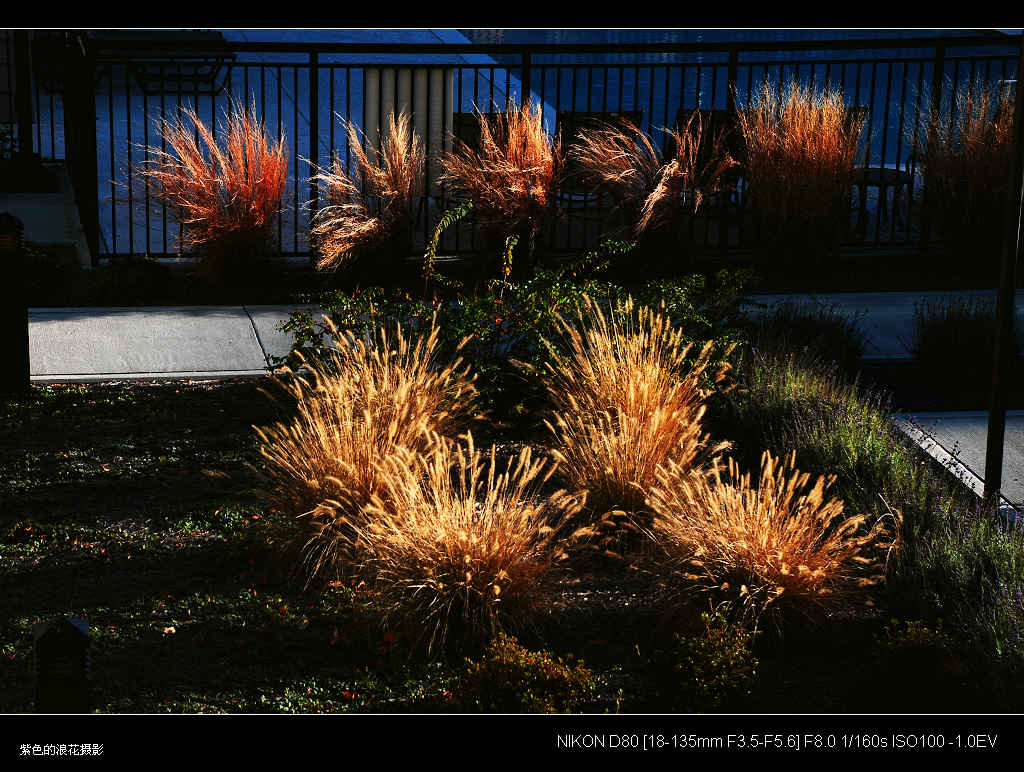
(887,318)
(99,344)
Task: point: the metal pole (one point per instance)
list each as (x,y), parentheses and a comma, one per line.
(524,98)
(14,375)
(1005,309)
(23,93)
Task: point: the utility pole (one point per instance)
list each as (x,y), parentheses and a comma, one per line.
(1005,308)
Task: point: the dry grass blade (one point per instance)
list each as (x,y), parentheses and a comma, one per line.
(459,544)
(781,546)
(367,400)
(620,160)
(626,401)
(226,188)
(376,202)
(511,177)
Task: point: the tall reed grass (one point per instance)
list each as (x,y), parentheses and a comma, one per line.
(459,544)
(355,408)
(627,398)
(966,154)
(801,151)
(225,188)
(373,207)
(783,547)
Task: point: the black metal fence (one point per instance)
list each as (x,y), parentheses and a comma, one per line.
(300,92)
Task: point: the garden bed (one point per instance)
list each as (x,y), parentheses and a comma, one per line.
(131,506)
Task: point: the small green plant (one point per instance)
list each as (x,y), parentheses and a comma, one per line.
(906,640)
(709,669)
(512,679)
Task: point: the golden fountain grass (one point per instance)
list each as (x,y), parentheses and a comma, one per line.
(626,402)
(966,165)
(513,174)
(620,160)
(459,545)
(782,546)
(801,153)
(224,190)
(354,410)
(374,203)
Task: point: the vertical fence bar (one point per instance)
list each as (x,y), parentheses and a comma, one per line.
(938,73)
(113,157)
(314,139)
(163,147)
(80,126)
(882,192)
(23,92)
(899,158)
(128,168)
(732,73)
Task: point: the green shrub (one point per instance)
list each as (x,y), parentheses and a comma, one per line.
(708,670)
(510,321)
(512,679)
(967,569)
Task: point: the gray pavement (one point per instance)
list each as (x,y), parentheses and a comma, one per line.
(957,440)
(98,344)
(887,318)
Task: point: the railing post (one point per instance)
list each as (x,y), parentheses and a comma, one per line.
(1005,308)
(933,117)
(14,377)
(730,107)
(314,138)
(23,93)
(80,136)
(524,98)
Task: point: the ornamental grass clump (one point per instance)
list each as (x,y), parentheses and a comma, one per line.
(649,190)
(357,406)
(777,549)
(801,151)
(225,187)
(370,210)
(965,154)
(510,177)
(459,545)
(627,398)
